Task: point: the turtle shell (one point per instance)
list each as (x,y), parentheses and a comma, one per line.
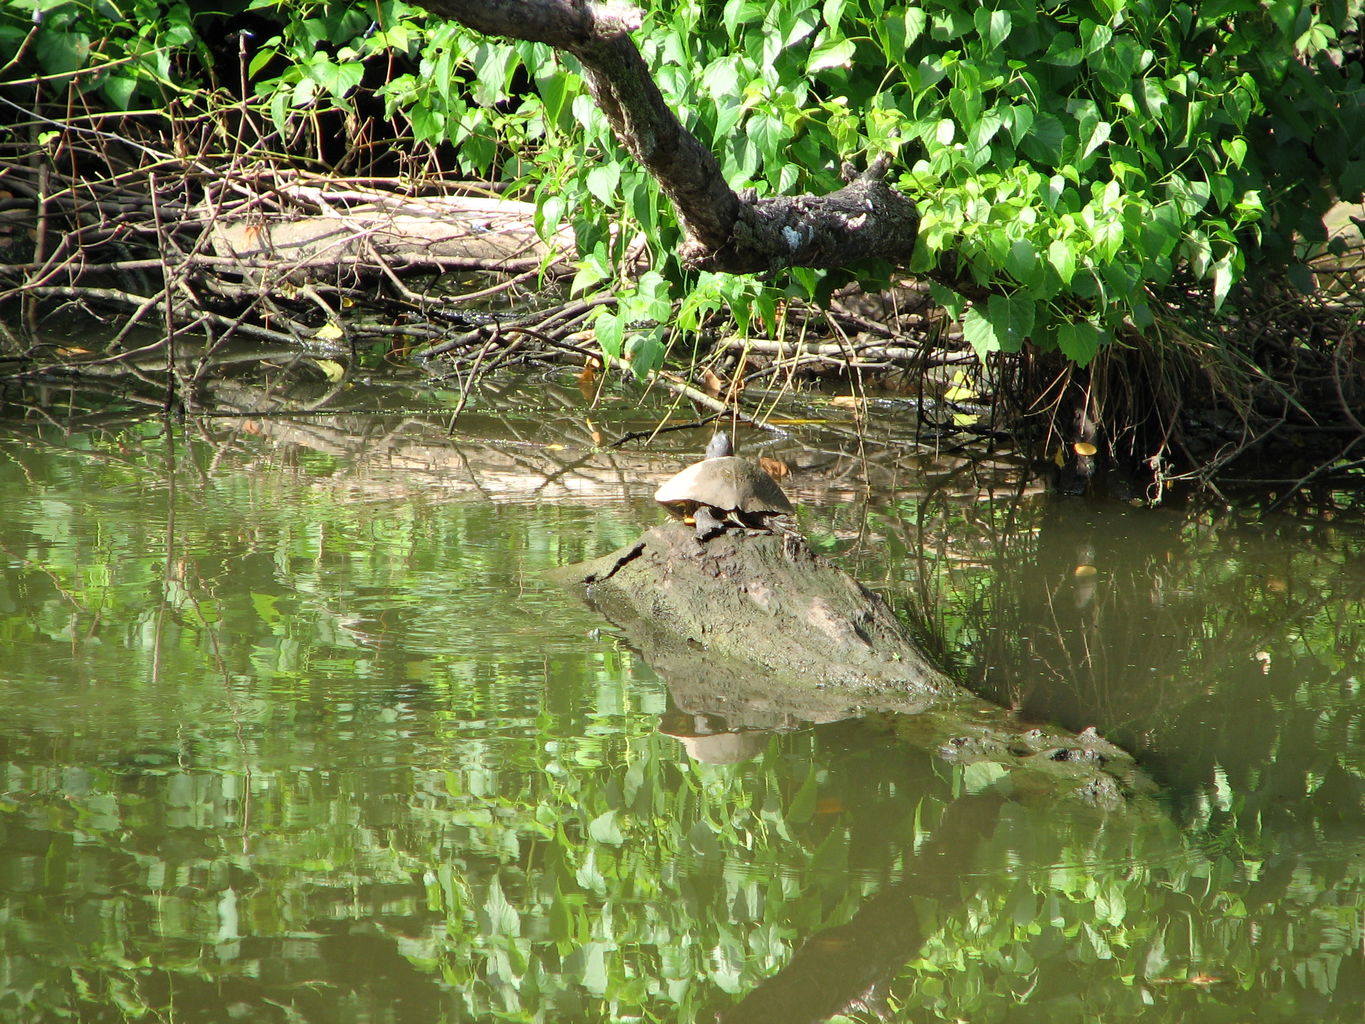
(730,484)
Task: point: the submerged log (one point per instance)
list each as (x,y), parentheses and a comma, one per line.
(754,625)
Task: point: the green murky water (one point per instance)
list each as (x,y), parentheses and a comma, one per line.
(290,733)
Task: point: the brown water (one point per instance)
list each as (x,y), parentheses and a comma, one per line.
(293,730)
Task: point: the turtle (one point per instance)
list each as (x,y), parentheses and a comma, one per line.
(724,489)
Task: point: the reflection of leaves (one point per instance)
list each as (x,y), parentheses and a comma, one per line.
(501,917)
(658,882)
(265,607)
(604,829)
(980,775)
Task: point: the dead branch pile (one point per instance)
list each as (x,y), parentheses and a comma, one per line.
(96,213)
(187,234)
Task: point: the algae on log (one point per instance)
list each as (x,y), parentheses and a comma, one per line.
(764,600)
(754,627)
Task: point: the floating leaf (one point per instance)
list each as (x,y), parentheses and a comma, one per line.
(959,393)
(331,369)
(775,468)
(587,380)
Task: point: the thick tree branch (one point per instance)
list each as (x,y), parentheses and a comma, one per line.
(563,24)
(687,171)
(727,232)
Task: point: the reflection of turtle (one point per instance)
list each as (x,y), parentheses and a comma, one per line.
(724,490)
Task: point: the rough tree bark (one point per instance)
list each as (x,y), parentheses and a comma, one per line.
(726,231)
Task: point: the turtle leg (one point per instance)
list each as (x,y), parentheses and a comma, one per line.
(784,525)
(792,539)
(708,523)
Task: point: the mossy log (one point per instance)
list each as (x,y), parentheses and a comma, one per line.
(767,601)
(755,627)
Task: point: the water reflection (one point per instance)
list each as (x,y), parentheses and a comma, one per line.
(284,741)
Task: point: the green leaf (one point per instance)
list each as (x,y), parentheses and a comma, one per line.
(119,91)
(646,351)
(1063,259)
(305,89)
(602,181)
(915,23)
(428,125)
(833,53)
(1020,122)
(1153,97)
(985,129)
(992,26)
(1224,276)
(1002,326)
(1235,149)
(610,332)
(1022,261)
(264,54)
(980,333)
(1099,135)
(279,110)
(1044,143)
(1063,51)
(950,300)
(1302,278)
(1094,37)
(337,77)
(62,52)
(1079,341)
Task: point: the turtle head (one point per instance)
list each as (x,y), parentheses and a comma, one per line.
(719,447)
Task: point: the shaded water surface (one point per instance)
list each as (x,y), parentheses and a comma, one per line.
(290,736)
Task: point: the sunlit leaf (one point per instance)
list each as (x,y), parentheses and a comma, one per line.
(832,53)
(1079,341)
(605,828)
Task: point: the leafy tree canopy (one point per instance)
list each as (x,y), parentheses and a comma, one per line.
(1072,162)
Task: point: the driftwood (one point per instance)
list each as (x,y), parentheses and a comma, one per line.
(727,231)
(344,229)
(751,628)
